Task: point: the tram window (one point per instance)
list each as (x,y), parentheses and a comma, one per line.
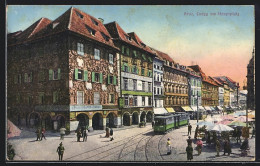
(159,122)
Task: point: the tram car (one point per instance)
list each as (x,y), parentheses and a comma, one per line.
(164,123)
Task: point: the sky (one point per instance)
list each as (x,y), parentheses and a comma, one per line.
(220,44)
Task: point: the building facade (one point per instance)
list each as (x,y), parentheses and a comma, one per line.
(70,84)
(251,82)
(136,65)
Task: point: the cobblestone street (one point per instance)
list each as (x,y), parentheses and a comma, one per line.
(131,144)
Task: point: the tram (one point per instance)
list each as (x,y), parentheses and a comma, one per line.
(164,123)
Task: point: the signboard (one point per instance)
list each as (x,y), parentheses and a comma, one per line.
(85,107)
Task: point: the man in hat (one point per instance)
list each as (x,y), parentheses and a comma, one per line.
(189,141)
(189,151)
(227,147)
(38,134)
(189,129)
(79,134)
(169,148)
(196,132)
(60,151)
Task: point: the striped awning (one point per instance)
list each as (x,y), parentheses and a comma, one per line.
(187,108)
(170,109)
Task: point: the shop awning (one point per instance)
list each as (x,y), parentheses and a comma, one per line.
(177,109)
(220,108)
(213,109)
(170,109)
(160,111)
(207,108)
(201,108)
(187,108)
(194,108)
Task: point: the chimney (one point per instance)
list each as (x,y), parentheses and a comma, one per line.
(101,20)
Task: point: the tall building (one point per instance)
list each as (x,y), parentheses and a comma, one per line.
(251,82)
(136,73)
(64,73)
(221,91)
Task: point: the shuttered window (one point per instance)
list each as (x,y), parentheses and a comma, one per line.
(114,80)
(55,96)
(96,98)
(111,58)
(41,98)
(97,54)
(85,75)
(80,49)
(80,97)
(25,77)
(111,99)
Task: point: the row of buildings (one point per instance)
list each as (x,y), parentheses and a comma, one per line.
(77,71)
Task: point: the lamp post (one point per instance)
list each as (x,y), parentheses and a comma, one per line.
(197,106)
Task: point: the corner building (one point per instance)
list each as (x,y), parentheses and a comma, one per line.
(64,73)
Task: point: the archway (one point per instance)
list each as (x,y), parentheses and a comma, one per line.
(97,121)
(126,119)
(149,116)
(34,119)
(46,121)
(142,117)
(135,119)
(83,120)
(110,120)
(61,121)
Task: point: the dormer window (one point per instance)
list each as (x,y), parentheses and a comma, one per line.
(90,30)
(143,44)
(105,36)
(54,25)
(79,15)
(94,22)
(128,37)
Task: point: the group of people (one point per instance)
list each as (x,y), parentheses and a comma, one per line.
(83,132)
(109,133)
(40,133)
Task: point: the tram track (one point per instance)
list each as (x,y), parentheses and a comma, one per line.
(121,142)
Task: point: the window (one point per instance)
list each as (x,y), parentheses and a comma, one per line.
(154,91)
(19,79)
(158,91)
(41,76)
(149,101)
(127,51)
(111,99)
(143,86)
(94,22)
(143,101)
(134,85)
(55,96)
(80,97)
(54,74)
(134,69)
(123,49)
(97,77)
(142,71)
(149,87)
(97,54)
(125,84)
(150,74)
(125,69)
(111,58)
(41,98)
(80,49)
(135,101)
(105,36)
(126,101)
(90,30)
(96,98)
(128,37)
(79,15)
(81,74)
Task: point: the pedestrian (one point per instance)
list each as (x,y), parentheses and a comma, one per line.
(199,146)
(107,132)
(152,124)
(79,134)
(169,148)
(208,138)
(227,147)
(38,134)
(189,141)
(253,132)
(196,132)
(60,151)
(43,132)
(85,135)
(218,146)
(62,133)
(189,129)
(189,151)
(244,147)
(111,134)
(239,133)
(214,137)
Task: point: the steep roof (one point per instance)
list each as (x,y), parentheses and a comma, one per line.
(140,42)
(73,20)
(204,77)
(163,55)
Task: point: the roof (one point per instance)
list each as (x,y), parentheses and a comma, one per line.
(224,78)
(217,81)
(163,55)
(73,20)
(118,33)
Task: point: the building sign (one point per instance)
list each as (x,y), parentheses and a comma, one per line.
(85,107)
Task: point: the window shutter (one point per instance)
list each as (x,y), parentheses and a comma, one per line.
(50,74)
(58,73)
(93,76)
(122,67)
(76,73)
(123,49)
(31,77)
(25,77)
(108,79)
(101,78)
(114,80)
(15,79)
(137,71)
(85,75)
(127,51)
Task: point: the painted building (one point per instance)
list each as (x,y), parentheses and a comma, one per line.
(66,74)
(226,91)
(221,91)
(242,98)
(251,82)
(136,73)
